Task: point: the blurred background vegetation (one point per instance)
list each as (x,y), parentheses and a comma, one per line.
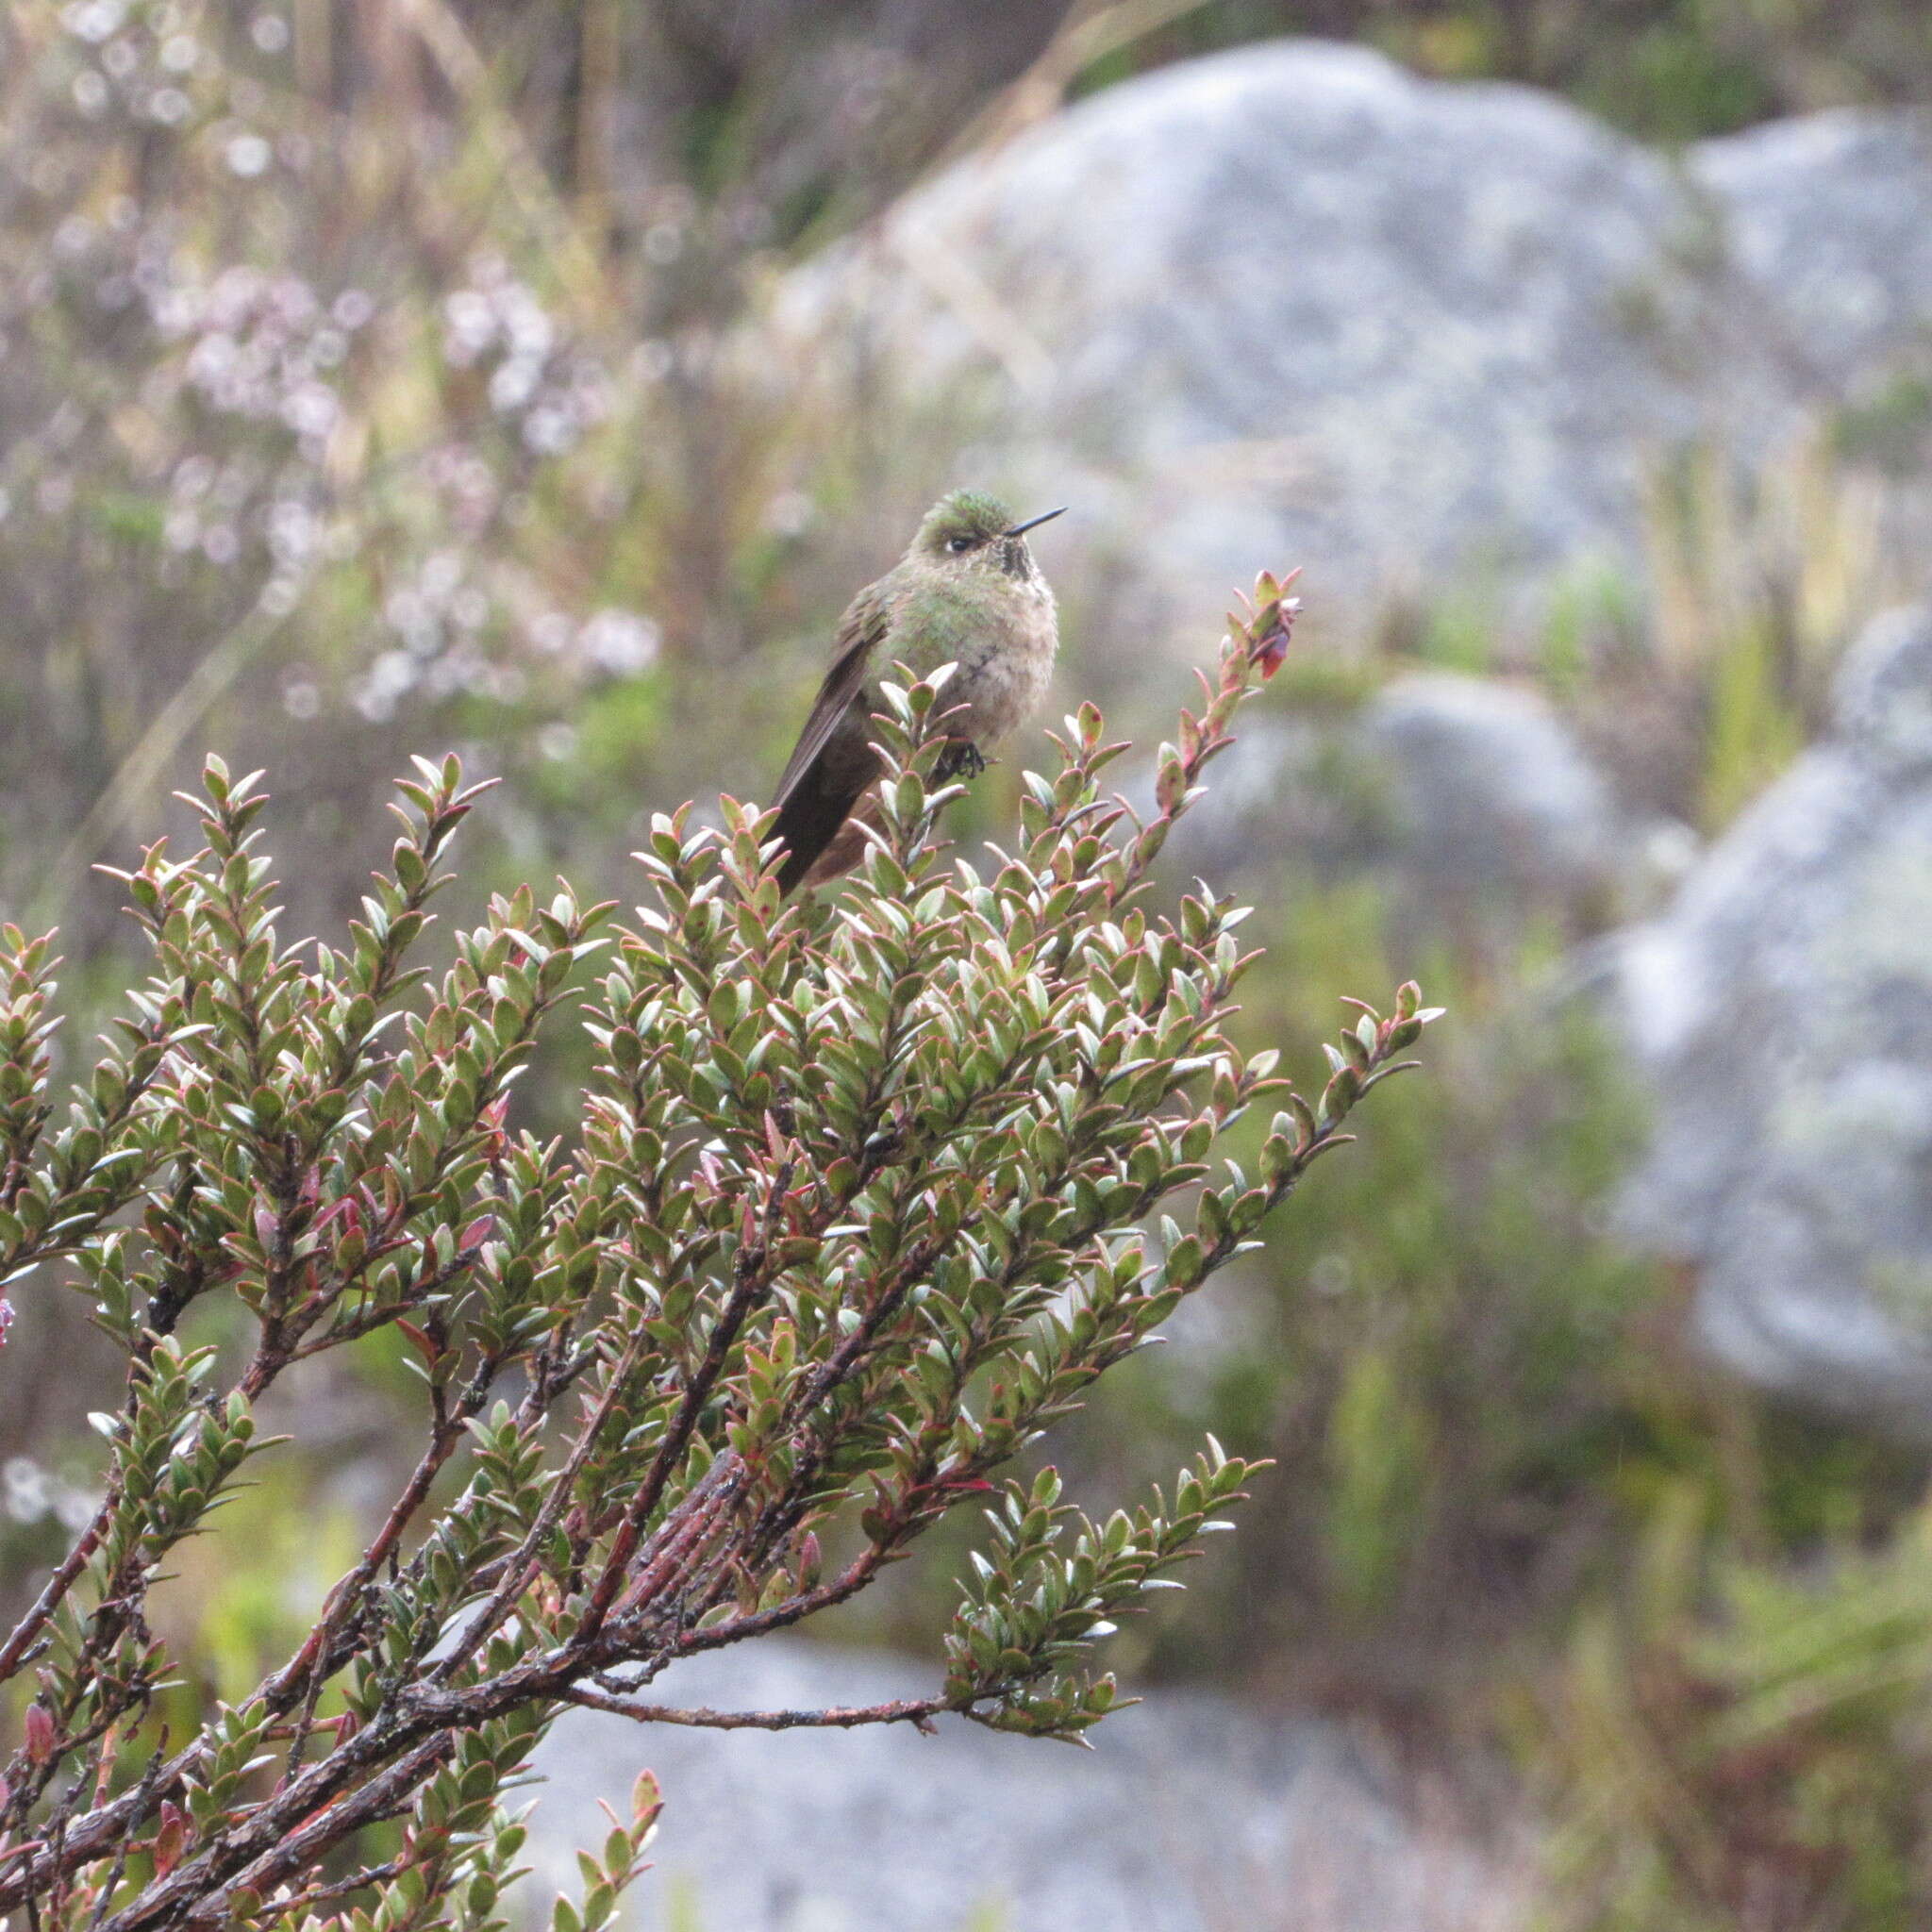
(369,383)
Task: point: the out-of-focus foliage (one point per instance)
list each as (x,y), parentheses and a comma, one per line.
(1668,69)
(1754,603)
(1456,1364)
(1736,1745)
(290,439)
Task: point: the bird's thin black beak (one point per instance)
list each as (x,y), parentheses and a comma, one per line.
(1045,517)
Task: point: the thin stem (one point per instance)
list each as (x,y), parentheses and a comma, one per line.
(918,1711)
(754,1279)
(516,1572)
(364,1881)
(57,1585)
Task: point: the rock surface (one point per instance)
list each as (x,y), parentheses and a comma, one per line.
(1292,303)
(1188,1814)
(1469,797)
(1826,238)
(1784,1010)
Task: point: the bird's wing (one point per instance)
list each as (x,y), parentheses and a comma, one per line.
(859,632)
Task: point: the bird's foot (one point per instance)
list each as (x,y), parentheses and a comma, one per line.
(961,758)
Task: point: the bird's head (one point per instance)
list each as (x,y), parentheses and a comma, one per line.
(971,531)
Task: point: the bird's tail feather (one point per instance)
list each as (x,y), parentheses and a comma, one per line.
(805,834)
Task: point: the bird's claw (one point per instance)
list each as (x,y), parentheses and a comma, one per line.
(960,760)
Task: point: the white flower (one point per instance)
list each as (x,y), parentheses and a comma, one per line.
(549,431)
(291,531)
(441,574)
(93,20)
(248,155)
(530,331)
(211,359)
(25,1483)
(469,326)
(619,642)
(788,513)
(311,409)
(389,677)
(512,385)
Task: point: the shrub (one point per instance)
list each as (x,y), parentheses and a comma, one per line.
(856,1214)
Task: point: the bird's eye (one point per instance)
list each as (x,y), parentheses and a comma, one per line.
(959,544)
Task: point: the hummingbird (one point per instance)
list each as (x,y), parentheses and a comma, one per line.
(966,592)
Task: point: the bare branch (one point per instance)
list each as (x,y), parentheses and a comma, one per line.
(917,1711)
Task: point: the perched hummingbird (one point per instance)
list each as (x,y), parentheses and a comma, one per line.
(966,592)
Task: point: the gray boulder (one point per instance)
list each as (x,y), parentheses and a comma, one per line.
(1469,797)
(1828,241)
(1784,1010)
(1292,303)
(1491,793)
(1190,1812)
